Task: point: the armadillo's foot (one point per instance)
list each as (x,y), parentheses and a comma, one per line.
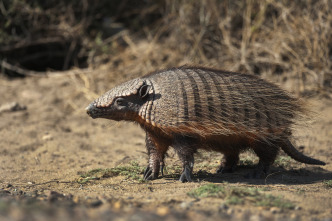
(152,173)
(185,148)
(260,172)
(186,175)
(226,169)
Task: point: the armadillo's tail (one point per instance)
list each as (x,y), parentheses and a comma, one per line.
(298,156)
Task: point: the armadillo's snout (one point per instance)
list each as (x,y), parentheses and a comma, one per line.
(91,110)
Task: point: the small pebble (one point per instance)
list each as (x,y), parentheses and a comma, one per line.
(96,203)
(162,211)
(223,207)
(275,210)
(47,137)
(255,218)
(293,216)
(76,199)
(186,205)
(230,211)
(117,205)
(53,195)
(4,191)
(11,107)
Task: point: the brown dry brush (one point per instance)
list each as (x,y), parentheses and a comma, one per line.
(279,40)
(290,39)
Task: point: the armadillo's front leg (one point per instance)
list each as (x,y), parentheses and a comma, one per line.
(156,150)
(185,149)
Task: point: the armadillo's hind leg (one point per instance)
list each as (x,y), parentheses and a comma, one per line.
(229,162)
(185,149)
(156,150)
(267,153)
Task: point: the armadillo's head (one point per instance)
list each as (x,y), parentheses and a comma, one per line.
(122,102)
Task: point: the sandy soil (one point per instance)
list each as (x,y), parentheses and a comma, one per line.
(45,147)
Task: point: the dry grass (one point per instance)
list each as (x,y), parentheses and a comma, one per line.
(271,38)
(279,40)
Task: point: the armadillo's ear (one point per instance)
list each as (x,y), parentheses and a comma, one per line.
(143,91)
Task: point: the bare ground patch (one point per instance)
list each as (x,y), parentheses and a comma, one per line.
(58,163)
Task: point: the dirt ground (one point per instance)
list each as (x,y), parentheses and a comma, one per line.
(47,147)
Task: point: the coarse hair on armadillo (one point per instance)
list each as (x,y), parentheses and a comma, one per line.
(200,101)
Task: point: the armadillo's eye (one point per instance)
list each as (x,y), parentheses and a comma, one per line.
(144,90)
(120,101)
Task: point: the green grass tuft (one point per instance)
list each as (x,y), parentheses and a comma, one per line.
(275,201)
(241,196)
(209,190)
(328,183)
(283,161)
(132,171)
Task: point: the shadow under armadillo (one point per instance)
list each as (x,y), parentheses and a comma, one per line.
(277,175)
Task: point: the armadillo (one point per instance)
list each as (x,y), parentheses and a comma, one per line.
(190,108)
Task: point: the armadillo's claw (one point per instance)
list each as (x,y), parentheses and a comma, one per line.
(146,170)
(186,175)
(148,178)
(149,174)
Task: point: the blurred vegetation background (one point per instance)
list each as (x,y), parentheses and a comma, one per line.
(285,41)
